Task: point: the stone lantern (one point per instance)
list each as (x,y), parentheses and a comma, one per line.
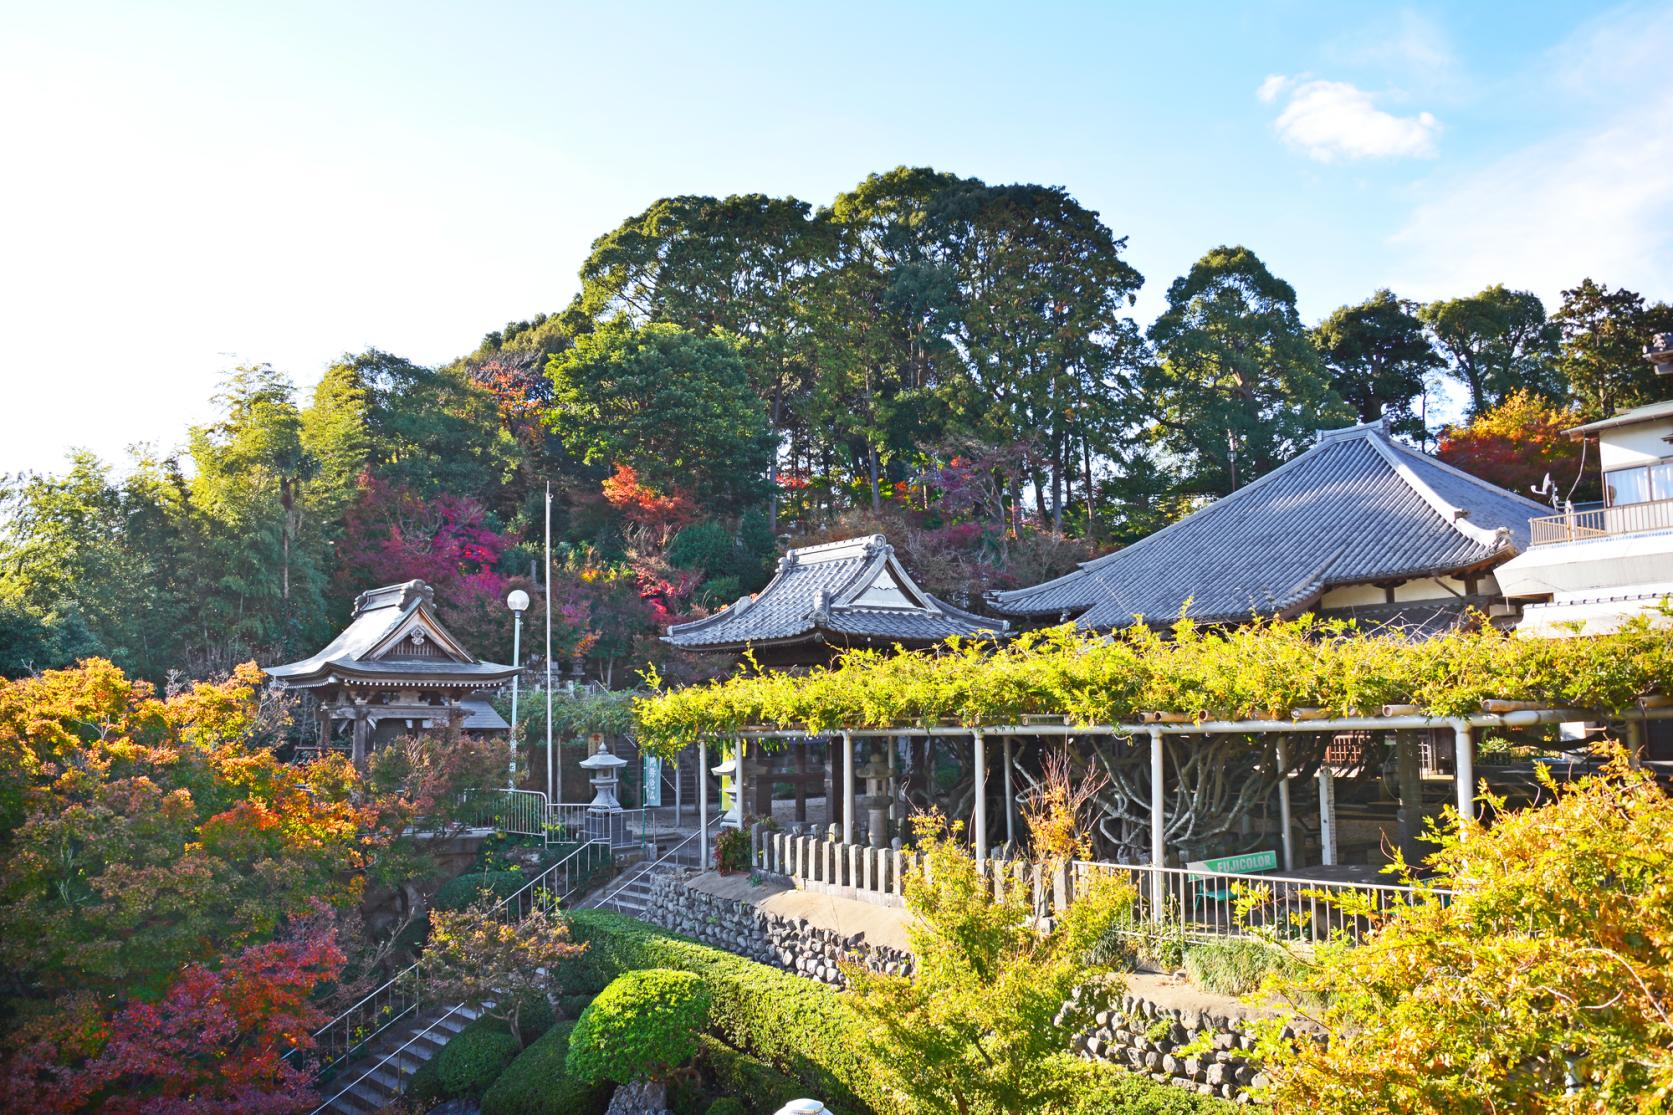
(728,769)
(875,801)
(608,775)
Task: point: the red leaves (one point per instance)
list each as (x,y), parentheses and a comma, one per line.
(216,1041)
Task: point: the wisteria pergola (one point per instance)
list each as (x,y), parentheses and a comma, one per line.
(1463,730)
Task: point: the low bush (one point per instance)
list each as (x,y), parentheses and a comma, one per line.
(474,1057)
(1233,967)
(808,1031)
(641,1026)
(538,1082)
(763,1089)
(726,1105)
(458,894)
(801,1027)
(473,1060)
(1106,1089)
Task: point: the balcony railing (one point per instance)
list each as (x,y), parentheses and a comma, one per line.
(1601,522)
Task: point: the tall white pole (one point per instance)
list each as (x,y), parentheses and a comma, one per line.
(702,803)
(1463,765)
(979,817)
(516,660)
(551,799)
(1286,837)
(1158,827)
(847,788)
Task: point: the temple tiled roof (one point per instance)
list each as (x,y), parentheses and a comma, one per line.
(1357,507)
(849,592)
(394,634)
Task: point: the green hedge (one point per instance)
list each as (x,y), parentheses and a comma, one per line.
(807,1030)
(474,1057)
(537,1084)
(803,1028)
(457,894)
(762,1088)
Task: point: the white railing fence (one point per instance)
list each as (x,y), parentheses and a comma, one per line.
(691,852)
(626,828)
(1199,905)
(518,812)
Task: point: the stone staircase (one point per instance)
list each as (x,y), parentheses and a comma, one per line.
(630,893)
(371,1082)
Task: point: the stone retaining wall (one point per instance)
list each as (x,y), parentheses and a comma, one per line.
(1136,1034)
(742,928)
(1145,1037)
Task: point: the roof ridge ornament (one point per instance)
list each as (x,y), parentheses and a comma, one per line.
(1378,425)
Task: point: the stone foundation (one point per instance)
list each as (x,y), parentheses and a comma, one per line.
(744,929)
(1147,1038)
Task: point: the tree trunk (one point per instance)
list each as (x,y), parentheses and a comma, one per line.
(871,465)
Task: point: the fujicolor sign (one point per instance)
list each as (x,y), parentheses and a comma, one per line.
(1246,864)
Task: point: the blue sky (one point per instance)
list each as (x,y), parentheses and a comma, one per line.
(189,186)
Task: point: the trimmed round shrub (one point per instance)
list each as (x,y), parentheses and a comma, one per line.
(538,1082)
(726,1105)
(642,1025)
(473,1060)
(460,893)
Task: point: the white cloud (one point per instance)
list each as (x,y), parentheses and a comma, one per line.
(1590,203)
(1595,199)
(1331,120)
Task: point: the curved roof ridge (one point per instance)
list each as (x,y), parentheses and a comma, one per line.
(1450,513)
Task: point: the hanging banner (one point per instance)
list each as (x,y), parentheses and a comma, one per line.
(650,793)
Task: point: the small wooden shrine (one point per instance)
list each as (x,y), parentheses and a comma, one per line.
(395,671)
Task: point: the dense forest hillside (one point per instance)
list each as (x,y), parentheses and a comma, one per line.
(950,362)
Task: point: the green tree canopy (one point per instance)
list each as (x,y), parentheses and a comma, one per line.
(1496,342)
(1602,353)
(1378,357)
(1238,387)
(674,407)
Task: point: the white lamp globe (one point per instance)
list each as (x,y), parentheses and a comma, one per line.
(517,601)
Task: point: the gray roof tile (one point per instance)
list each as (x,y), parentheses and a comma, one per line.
(1357,507)
(823,589)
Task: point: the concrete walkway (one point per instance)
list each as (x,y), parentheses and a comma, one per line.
(882,925)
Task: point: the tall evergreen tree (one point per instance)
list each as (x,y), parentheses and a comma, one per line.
(1238,388)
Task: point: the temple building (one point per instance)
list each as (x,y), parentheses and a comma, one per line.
(1360,525)
(395,671)
(824,599)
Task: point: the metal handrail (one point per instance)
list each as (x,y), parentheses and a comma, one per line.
(647,868)
(384,1060)
(591,848)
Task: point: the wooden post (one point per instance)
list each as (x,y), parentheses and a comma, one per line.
(1463,767)
(1635,743)
(1158,826)
(1286,836)
(979,820)
(1327,815)
(801,781)
(847,788)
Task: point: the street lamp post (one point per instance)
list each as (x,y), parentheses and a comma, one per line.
(518,602)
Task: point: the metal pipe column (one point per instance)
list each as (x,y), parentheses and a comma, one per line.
(847,788)
(1158,827)
(1463,767)
(703,803)
(979,818)
(1010,799)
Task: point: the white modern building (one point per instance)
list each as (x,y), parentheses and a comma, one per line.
(1586,572)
